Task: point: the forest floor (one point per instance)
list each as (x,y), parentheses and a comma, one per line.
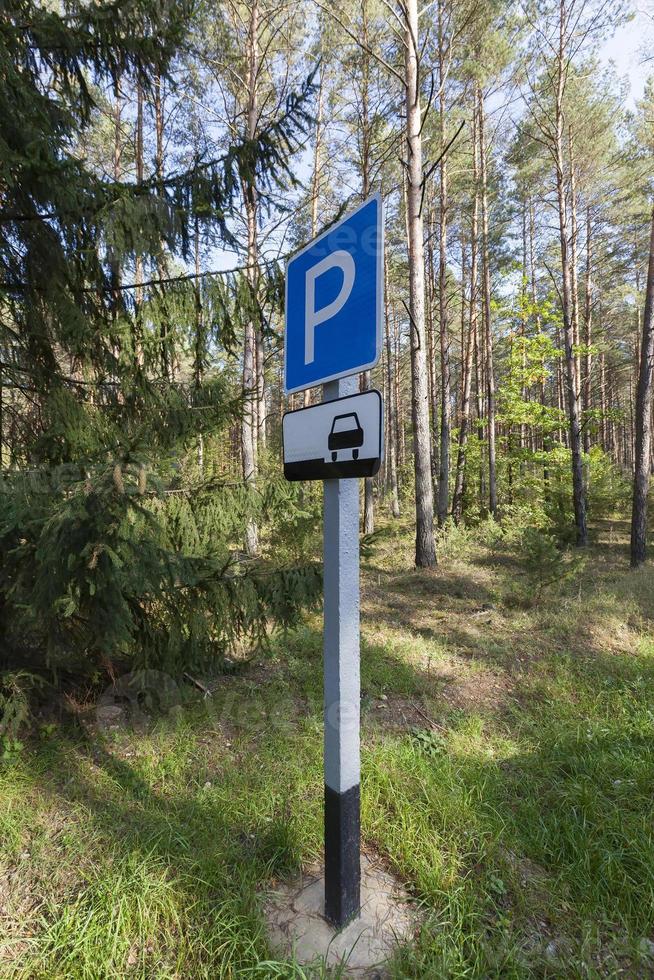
(508,780)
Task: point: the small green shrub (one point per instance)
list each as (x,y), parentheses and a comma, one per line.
(95,572)
(518,516)
(15,689)
(429,742)
(608,489)
(490,533)
(294,527)
(546,566)
(456,540)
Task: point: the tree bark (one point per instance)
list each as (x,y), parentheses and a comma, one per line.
(400,432)
(432,382)
(574,262)
(252,350)
(588,333)
(466,367)
(137,333)
(391,406)
(479,392)
(261,405)
(114,262)
(488,331)
(443,312)
(315,186)
(162,265)
(425,555)
(578,494)
(644,419)
(366,138)
(546,440)
(199,345)
(603,404)
(524,392)
(2,420)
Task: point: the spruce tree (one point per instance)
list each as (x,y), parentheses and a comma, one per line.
(109,548)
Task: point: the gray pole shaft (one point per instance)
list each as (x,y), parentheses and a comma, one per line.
(342,688)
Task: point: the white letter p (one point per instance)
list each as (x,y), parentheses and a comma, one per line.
(312,317)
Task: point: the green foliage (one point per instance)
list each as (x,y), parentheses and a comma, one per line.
(99,569)
(369,544)
(456,540)
(524,834)
(490,533)
(530,363)
(546,565)
(116,547)
(543,560)
(609,488)
(430,742)
(54,210)
(15,690)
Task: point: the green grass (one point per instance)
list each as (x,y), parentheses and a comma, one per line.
(522,821)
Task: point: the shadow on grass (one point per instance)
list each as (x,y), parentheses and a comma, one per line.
(217,846)
(439,583)
(509,854)
(528,839)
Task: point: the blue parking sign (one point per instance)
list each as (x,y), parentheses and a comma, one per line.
(334,301)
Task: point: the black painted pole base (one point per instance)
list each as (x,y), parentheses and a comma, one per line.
(342,856)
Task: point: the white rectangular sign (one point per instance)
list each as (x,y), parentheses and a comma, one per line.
(334,440)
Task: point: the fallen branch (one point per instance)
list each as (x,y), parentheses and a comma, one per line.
(430,721)
(200,686)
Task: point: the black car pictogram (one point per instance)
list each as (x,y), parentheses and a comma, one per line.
(346,433)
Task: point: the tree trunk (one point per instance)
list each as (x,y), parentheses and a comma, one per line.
(588,337)
(262,400)
(634,374)
(644,419)
(259,407)
(560,389)
(479,390)
(114,262)
(425,555)
(614,408)
(546,440)
(162,266)
(574,262)
(366,137)
(315,187)
(466,367)
(603,404)
(578,494)
(2,419)
(199,346)
(433,396)
(400,431)
(488,331)
(524,393)
(137,331)
(391,407)
(443,311)
(368,495)
(252,350)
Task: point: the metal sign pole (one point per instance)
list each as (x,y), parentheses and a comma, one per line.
(333,331)
(342,689)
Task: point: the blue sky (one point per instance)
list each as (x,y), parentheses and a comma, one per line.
(628,47)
